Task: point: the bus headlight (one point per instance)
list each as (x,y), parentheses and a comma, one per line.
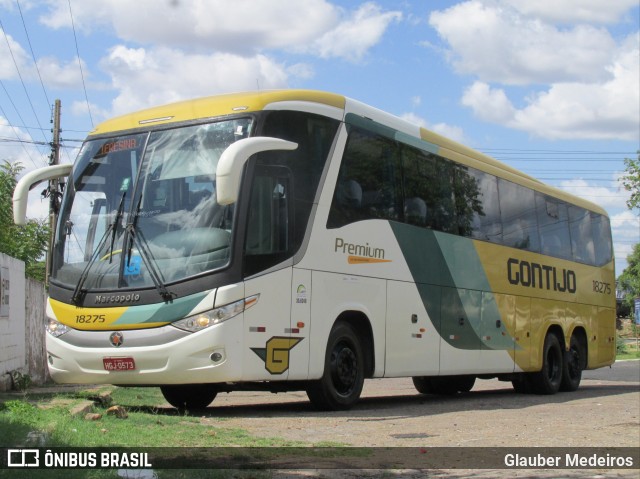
(56,328)
(201,321)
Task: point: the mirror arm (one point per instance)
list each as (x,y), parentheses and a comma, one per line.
(232,160)
(28,182)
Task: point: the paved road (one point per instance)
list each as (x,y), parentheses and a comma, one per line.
(627,371)
(604,412)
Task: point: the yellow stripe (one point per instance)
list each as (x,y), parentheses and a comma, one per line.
(94,319)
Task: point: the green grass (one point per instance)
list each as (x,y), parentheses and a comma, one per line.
(44,420)
(146,425)
(629,352)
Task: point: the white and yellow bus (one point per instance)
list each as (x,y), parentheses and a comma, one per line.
(300,240)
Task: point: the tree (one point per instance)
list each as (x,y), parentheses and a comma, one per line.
(631,181)
(629,280)
(26,243)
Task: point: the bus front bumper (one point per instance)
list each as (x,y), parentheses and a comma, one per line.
(157,356)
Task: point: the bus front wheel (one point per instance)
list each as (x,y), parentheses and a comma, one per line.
(189,397)
(343,377)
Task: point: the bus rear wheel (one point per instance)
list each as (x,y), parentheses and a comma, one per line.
(548,380)
(343,377)
(572,367)
(189,397)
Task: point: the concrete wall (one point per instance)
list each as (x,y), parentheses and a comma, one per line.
(36,353)
(22,333)
(12,317)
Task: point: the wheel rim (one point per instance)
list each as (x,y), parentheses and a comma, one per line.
(344,368)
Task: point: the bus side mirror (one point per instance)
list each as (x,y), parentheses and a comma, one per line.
(232,160)
(27,182)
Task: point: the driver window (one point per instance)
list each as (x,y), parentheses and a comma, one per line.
(269,222)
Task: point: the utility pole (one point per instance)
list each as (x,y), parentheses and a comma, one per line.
(53,189)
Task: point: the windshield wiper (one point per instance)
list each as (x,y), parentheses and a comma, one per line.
(78,292)
(137,238)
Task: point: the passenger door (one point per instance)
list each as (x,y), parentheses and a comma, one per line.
(267,334)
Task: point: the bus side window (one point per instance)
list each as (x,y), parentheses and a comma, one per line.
(602,239)
(469,192)
(581,235)
(367,186)
(486,223)
(270,220)
(518,212)
(554,227)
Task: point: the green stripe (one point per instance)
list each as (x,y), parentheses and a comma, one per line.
(161,312)
(453,287)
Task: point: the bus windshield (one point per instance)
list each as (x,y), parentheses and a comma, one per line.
(141,210)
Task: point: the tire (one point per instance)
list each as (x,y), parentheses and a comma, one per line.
(423,384)
(522,383)
(445,385)
(190,397)
(343,377)
(572,366)
(548,380)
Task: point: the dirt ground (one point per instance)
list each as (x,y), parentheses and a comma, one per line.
(604,412)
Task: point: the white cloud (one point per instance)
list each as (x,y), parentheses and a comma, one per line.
(7,66)
(489,104)
(243,27)
(572,110)
(453,132)
(17,146)
(626,219)
(592,79)
(573,11)
(625,228)
(160,75)
(240,27)
(302,71)
(79,108)
(498,44)
(609,198)
(58,75)
(352,38)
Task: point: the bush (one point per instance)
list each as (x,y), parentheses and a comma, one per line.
(620,345)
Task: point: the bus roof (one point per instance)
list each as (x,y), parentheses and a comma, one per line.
(214,106)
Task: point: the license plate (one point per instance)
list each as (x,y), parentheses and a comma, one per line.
(119,364)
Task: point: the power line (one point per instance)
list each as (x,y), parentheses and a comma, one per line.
(18,137)
(24,87)
(84,86)
(32,53)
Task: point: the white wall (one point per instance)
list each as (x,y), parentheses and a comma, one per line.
(12,318)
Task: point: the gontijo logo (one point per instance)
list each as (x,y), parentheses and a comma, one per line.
(360,253)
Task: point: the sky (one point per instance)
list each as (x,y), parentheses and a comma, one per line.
(551,87)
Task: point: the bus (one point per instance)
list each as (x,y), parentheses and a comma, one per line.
(301,240)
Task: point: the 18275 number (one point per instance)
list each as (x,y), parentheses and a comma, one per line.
(602,288)
(90,318)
